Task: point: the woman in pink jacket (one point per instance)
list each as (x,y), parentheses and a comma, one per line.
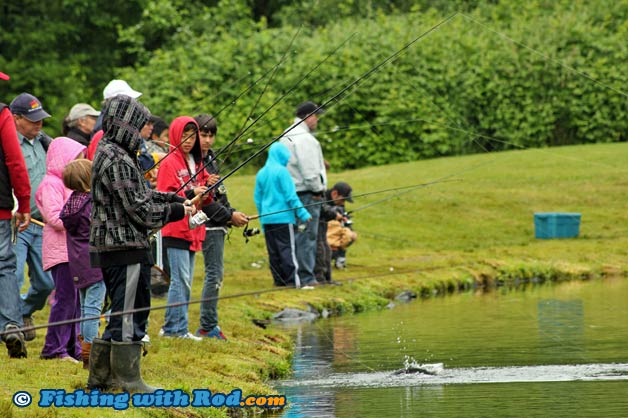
(61,341)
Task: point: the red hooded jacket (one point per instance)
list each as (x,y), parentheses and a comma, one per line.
(173,173)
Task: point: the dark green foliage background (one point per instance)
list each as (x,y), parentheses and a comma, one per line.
(499,76)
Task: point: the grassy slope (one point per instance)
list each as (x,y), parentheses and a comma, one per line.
(477,228)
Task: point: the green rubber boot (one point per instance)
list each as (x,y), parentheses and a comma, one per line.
(125,367)
(100,365)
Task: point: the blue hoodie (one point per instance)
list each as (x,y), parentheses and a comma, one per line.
(275,191)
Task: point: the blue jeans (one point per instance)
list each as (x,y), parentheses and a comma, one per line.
(213,256)
(306,241)
(181,272)
(9,291)
(92,298)
(28,251)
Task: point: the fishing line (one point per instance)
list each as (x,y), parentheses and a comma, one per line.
(259,97)
(345,89)
(363,77)
(170,152)
(232,296)
(260,117)
(318,203)
(541,54)
(230,103)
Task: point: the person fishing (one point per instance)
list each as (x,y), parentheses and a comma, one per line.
(221,217)
(124,211)
(275,193)
(307,169)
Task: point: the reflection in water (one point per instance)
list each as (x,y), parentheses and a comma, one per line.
(561,327)
(548,351)
(317,349)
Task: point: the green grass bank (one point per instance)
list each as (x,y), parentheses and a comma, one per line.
(474,227)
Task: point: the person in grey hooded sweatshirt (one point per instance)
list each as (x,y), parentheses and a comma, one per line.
(124,212)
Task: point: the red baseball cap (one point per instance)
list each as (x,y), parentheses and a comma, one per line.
(4,76)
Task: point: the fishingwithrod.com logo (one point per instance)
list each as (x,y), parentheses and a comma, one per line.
(161,398)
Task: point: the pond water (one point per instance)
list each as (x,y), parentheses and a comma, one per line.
(554,350)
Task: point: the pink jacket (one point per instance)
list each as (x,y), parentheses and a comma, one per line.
(51,196)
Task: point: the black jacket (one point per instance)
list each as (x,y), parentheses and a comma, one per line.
(219,211)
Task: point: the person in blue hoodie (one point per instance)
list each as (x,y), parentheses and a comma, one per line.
(275,194)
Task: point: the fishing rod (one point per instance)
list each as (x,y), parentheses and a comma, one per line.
(230,103)
(410,187)
(212,298)
(327,103)
(170,152)
(259,97)
(290,90)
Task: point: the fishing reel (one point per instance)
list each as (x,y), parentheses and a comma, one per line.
(348,222)
(198,219)
(248,233)
(221,189)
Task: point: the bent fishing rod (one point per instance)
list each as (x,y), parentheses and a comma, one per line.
(361,78)
(283,96)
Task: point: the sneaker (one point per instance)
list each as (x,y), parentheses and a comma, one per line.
(146,339)
(68,359)
(214,333)
(190,336)
(15,342)
(341,263)
(161,332)
(30,334)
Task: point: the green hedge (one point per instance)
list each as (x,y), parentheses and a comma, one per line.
(465,88)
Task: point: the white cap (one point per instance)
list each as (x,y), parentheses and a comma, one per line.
(116,87)
(80,110)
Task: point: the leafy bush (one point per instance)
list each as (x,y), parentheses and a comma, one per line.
(503,77)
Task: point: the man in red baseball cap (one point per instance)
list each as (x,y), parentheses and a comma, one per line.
(12,174)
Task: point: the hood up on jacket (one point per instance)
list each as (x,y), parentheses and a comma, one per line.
(278,153)
(123,119)
(175,133)
(60,152)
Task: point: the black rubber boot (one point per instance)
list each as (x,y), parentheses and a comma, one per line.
(100,365)
(125,367)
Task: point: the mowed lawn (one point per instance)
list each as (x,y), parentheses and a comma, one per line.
(472,222)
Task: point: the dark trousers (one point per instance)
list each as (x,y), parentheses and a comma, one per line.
(322,269)
(129,288)
(282,256)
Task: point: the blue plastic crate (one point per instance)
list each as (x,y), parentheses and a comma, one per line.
(549,225)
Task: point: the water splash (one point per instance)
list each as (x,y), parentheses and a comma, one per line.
(445,376)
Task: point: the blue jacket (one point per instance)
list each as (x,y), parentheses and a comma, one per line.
(275,191)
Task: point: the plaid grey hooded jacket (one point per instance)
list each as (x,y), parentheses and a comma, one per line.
(124,208)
